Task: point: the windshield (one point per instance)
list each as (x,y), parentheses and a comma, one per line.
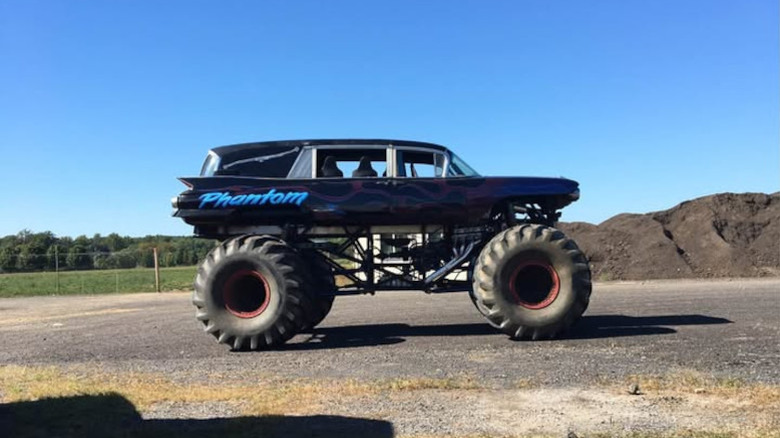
(459,167)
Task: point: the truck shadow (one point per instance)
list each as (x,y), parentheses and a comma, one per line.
(589,327)
(612,326)
(112,415)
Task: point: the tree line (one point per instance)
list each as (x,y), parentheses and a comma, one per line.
(28,252)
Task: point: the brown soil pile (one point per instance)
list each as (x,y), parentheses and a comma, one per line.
(724,235)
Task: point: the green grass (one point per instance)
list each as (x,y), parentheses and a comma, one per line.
(95,282)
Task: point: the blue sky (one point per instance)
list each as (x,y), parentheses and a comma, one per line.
(646,103)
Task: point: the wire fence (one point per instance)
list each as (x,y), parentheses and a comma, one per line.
(93,273)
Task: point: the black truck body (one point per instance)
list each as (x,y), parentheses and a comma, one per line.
(238,190)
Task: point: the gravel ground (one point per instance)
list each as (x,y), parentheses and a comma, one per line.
(721,327)
(718,328)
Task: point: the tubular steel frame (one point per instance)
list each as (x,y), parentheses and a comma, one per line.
(435,265)
(413,269)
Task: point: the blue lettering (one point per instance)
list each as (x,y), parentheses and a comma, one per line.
(267,195)
(223,200)
(294,198)
(208,197)
(301,196)
(272,197)
(238,200)
(253,199)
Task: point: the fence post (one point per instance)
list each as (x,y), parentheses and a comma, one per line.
(156,271)
(57,269)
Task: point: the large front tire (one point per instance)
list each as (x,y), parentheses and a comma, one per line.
(323,288)
(250,293)
(531,282)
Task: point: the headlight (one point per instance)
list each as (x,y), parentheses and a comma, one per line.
(175,202)
(575,195)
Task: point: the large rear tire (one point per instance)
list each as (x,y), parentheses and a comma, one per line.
(250,293)
(323,288)
(531,282)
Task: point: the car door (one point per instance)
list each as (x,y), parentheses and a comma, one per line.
(422,192)
(352,184)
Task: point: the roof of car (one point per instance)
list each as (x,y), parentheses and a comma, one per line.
(223,150)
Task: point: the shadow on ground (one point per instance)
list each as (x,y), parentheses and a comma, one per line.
(611,326)
(111,415)
(589,327)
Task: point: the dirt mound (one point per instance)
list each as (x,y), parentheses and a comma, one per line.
(724,235)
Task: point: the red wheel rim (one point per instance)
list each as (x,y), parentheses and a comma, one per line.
(242,298)
(531,270)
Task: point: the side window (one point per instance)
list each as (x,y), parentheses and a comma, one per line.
(265,162)
(351,163)
(302,166)
(210,165)
(418,164)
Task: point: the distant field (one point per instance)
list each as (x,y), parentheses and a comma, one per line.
(95,282)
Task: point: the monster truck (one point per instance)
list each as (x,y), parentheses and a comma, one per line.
(302,222)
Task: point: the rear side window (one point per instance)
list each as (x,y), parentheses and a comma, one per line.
(268,162)
(210,165)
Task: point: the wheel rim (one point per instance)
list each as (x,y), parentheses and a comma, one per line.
(534,284)
(246,294)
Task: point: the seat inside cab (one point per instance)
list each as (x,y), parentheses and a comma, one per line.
(357,163)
